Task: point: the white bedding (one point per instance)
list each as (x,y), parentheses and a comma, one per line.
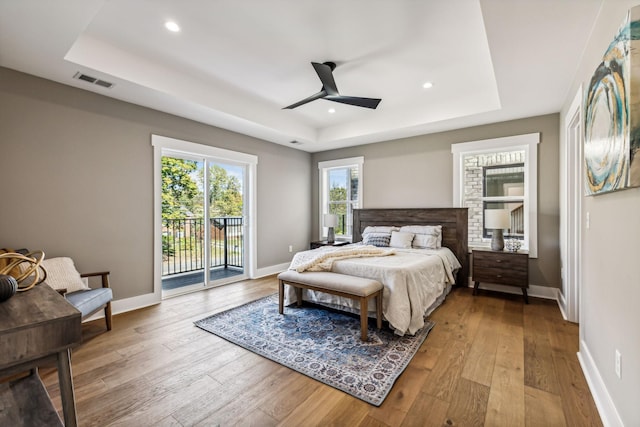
(413,280)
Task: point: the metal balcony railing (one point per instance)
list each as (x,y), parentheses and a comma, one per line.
(183,244)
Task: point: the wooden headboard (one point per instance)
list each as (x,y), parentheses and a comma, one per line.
(453,221)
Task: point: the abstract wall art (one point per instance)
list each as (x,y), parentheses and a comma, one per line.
(612,114)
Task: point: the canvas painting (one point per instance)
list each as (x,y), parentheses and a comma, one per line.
(612,114)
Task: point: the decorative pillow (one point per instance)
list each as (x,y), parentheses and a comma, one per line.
(425,241)
(427,236)
(377,239)
(380,229)
(401,239)
(62,274)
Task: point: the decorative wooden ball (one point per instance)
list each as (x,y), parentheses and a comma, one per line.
(8,287)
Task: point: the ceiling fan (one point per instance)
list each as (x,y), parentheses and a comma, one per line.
(330,90)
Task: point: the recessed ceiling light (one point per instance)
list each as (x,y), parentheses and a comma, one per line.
(172,26)
(427,85)
(332,110)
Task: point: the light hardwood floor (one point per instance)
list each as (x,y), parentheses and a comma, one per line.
(490,360)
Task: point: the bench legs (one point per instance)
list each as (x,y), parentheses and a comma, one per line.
(281,297)
(364,305)
(364,318)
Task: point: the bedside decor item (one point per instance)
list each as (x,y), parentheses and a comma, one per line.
(8,287)
(330,221)
(612,116)
(26,269)
(513,245)
(497,220)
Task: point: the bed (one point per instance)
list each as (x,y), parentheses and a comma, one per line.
(415,281)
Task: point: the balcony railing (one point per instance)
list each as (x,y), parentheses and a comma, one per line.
(183,244)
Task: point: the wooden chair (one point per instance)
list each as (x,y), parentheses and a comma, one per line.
(91,301)
(60,273)
(63,277)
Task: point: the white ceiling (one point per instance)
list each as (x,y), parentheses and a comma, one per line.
(236,63)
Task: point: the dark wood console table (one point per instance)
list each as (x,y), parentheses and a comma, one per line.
(36,327)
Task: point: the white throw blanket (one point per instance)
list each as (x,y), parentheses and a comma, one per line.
(323,260)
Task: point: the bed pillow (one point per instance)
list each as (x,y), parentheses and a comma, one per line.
(401,239)
(62,274)
(380,229)
(425,241)
(377,239)
(426,236)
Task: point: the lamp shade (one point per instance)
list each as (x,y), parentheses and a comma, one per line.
(497,219)
(330,220)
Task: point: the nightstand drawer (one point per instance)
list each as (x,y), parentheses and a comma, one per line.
(501,259)
(500,275)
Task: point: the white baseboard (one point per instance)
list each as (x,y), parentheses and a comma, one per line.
(128,304)
(146,300)
(561,305)
(537,291)
(606,408)
(268,271)
(141,301)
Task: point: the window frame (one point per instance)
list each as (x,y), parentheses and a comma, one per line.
(323,190)
(528,143)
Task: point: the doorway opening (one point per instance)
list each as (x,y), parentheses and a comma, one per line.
(571,212)
(204,207)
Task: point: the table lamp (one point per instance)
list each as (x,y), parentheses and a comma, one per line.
(330,221)
(497,220)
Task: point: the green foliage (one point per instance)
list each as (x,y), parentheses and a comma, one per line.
(225,193)
(179,190)
(182,190)
(338,206)
(167,246)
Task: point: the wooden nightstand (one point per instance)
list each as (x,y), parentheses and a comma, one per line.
(503,268)
(319,243)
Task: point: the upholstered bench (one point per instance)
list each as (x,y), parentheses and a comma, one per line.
(357,288)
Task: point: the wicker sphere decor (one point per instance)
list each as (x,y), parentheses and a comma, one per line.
(25,269)
(513,245)
(8,287)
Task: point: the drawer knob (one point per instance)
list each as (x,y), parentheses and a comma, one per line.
(499,276)
(498,260)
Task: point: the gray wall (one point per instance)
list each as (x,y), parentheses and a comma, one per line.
(610,288)
(77,172)
(418,172)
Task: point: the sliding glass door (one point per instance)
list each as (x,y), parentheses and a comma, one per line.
(203,221)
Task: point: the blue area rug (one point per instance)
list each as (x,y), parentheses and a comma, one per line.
(320,343)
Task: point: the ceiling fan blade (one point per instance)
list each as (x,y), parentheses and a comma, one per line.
(354,100)
(318,95)
(325,73)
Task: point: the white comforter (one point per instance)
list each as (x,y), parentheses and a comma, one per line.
(413,280)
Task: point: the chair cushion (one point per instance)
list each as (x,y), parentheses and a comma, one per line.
(90,300)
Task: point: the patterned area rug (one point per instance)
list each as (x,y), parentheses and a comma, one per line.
(320,343)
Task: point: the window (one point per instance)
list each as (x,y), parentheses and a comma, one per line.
(502,187)
(498,173)
(340,193)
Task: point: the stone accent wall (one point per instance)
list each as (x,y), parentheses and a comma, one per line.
(473,165)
